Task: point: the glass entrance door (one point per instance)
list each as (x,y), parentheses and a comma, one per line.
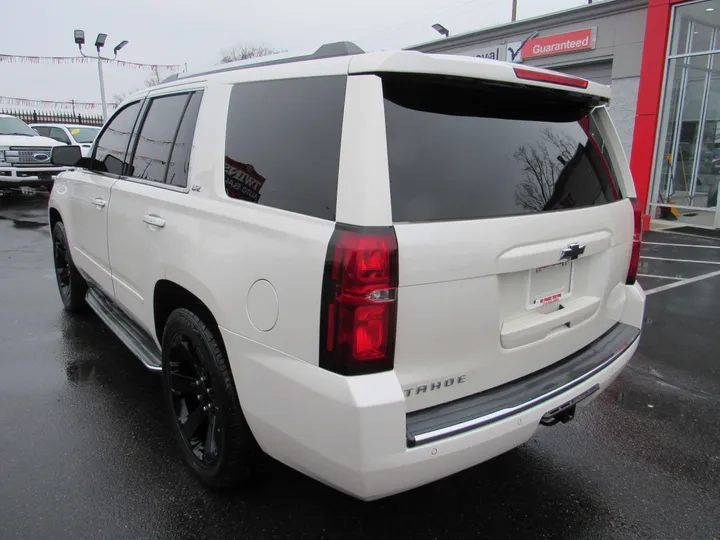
(687,171)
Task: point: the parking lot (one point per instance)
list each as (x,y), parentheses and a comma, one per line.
(86,451)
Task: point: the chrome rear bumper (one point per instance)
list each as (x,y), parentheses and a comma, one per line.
(428,425)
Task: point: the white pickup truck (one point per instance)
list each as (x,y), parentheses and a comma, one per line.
(25,155)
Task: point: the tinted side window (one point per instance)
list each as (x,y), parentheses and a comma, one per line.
(152,151)
(44,131)
(112,144)
(59,135)
(177,173)
(282,146)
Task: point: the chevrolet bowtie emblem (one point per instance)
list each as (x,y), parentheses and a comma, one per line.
(572,252)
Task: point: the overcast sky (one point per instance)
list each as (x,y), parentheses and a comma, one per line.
(195,32)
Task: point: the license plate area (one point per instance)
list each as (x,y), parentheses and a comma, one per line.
(549,284)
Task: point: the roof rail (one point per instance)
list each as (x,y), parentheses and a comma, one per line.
(329,50)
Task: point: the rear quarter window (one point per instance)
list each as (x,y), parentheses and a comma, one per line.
(282,146)
(469,150)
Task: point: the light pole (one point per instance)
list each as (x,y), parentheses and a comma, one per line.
(440,29)
(99,43)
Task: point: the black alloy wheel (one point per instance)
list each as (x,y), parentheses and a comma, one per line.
(205,411)
(197,412)
(71,284)
(62,266)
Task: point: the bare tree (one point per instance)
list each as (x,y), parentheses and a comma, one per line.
(541,169)
(153,80)
(245,51)
(241,52)
(118,97)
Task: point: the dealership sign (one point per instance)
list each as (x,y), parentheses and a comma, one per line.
(579,40)
(491,53)
(242,181)
(509,52)
(535,47)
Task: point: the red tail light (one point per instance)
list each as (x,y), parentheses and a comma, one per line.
(637,239)
(359,301)
(555,78)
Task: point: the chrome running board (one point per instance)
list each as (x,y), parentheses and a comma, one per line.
(135,338)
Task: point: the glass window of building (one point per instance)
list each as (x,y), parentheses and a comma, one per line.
(687,166)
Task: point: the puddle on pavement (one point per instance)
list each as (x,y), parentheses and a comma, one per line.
(24,223)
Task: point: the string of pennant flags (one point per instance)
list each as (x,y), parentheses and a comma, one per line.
(146,139)
(61,60)
(85,105)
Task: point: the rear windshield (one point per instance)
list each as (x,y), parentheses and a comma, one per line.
(467,150)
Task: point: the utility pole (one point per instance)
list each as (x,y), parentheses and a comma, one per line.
(514,10)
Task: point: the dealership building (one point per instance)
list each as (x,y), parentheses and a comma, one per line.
(658,57)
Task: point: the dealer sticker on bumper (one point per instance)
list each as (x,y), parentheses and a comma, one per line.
(549,284)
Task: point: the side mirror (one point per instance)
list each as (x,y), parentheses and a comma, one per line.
(66,156)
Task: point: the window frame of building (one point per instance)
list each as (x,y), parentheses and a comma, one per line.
(682,57)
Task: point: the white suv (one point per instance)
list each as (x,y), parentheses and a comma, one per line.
(380,268)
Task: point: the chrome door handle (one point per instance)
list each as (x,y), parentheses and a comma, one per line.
(100,203)
(155,221)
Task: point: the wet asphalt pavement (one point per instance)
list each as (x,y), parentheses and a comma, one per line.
(86,451)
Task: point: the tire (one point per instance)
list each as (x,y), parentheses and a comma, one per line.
(71,285)
(204,408)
